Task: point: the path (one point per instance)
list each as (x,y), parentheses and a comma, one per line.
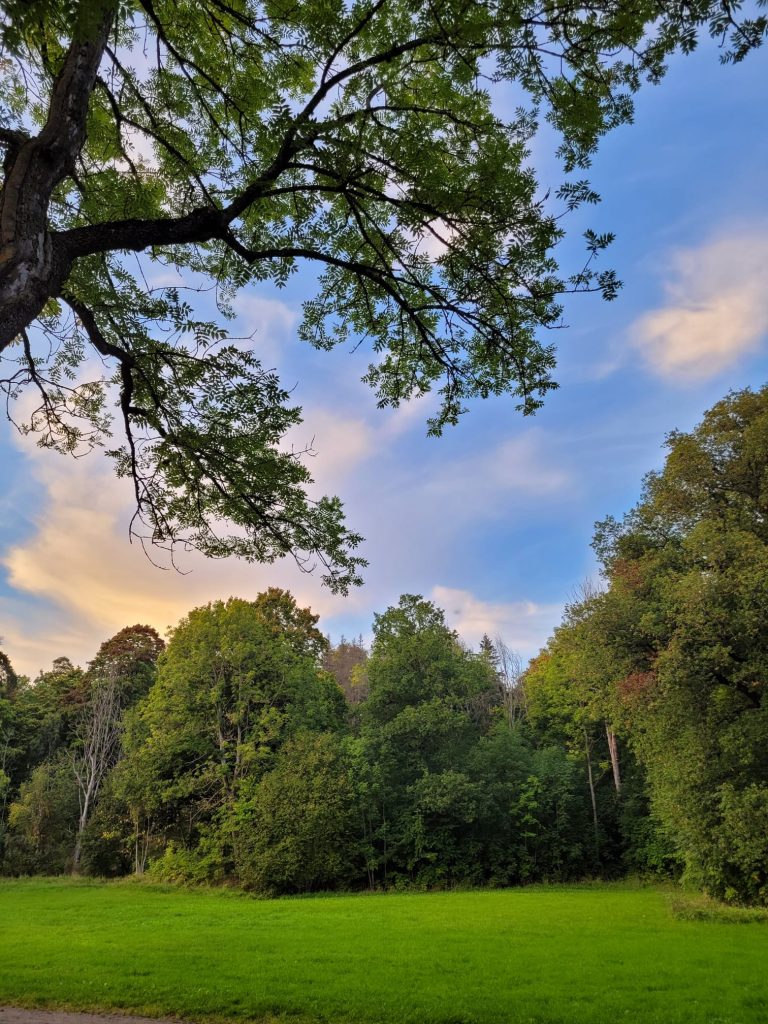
(16,1015)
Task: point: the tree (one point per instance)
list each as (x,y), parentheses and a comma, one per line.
(346,662)
(685,614)
(232,142)
(8,733)
(121,672)
(42,821)
(129,659)
(8,678)
(279,610)
(297,825)
(427,705)
(8,749)
(553,694)
(508,666)
(37,722)
(96,752)
(55,700)
(230,691)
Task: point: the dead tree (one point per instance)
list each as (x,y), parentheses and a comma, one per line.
(509,669)
(98,732)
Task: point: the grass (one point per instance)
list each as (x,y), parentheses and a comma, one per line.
(697,907)
(597,954)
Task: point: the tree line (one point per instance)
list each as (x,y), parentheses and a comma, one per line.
(250,749)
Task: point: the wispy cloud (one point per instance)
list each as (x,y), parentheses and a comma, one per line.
(336,445)
(716,310)
(269,322)
(520,468)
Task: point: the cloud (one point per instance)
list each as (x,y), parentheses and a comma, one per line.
(523,625)
(81,580)
(520,467)
(716,310)
(433,241)
(409,415)
(269,321)
(75,579)
(34,636)
(338,445)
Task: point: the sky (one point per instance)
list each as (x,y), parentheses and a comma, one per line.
(493,521)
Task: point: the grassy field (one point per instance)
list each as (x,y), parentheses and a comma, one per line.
(544,955)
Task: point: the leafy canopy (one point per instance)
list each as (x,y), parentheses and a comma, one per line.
(227,142)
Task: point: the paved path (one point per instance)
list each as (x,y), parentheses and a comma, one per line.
(15,1015)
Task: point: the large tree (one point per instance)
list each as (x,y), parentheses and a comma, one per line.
(231,688)
(429,701)
(685,615)
(128,659)
(234,140)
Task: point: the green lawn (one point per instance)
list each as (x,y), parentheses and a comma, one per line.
(548,955)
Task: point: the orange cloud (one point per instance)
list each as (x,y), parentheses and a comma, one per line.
(93,582)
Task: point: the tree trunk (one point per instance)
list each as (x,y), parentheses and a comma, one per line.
(592,794)
(83,821)
(141,845)
(613,750)
(33,268)
(99,733)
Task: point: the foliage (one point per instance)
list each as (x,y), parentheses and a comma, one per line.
(43,821)
(129,658)
(240,760)
(346,662)
(8,678)
(296,828)
(698,907)
(634,742)
(230,144)
(230,690)
(674,653)
(695,550)
(279,610)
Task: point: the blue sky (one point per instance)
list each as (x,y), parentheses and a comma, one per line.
(493,520)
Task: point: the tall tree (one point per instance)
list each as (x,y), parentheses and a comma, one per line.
(279,610)
(428,703)
(8,733)
(96,752)
(230,691)
(128,659)
(685,614)
(232,142)
(8,678)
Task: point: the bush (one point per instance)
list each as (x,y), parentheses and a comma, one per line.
(295,832)
(42,823)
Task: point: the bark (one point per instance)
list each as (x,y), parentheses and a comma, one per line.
(33,267)
(613,750)
(591,781)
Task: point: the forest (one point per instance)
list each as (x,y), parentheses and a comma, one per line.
(249,749)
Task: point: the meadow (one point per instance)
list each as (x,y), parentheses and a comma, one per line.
(587,954)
